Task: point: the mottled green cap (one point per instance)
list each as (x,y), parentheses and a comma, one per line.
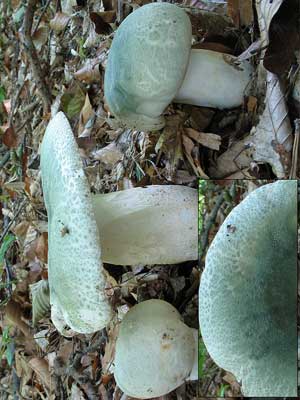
(247,297)
(75,270)
(146,65)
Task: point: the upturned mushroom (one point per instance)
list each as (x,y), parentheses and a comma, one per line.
(248,292)
(151,64)
(134,226)
(155,351)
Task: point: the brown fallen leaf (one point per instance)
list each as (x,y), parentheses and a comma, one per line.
(101,27)
(41,247)
(89,72)
(272,138)
(59,22)
(41,368)
(10,138)
(210,140)
(40,37)
(13,312)
(235,160)
(109,354)
(87,114)
(189,147)
(109,154)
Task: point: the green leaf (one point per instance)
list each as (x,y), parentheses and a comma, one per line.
(9,353)
(8,240)
(202,353)
(19,15)
(2,94)
(73,100)
(221,391)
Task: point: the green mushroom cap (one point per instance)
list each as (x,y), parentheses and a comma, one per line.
(147,62)
(247,296)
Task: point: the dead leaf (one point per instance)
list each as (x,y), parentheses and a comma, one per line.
(235,159)
(251,104)
(41,247)
(13,312)
(30,243)
(234,12)
(10,138)
(284,38)
(109,354)
(41,368)
(101,27)
(20,229)
(109,154)
(246,12)
(210,140)
(59,22)
(266,10)
(22,368)
(89,72)
(272,138)
(189,147)
(201,117)
(73,100)
(40,300)
(108,16)
(87,114)
(40,37)
(170,143)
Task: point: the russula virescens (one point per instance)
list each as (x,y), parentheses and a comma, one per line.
(155,351)
(76,218)
(151,63)
(248,292)
(75,272)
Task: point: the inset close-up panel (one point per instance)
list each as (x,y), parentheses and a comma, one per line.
(248,288)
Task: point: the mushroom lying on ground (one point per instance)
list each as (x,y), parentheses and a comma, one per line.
(141,221)
(248,292)
(75,271)
(155,351)
(151,62)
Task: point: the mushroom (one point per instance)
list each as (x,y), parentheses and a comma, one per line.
(75,271)
(135,226)
(151,63)
(247,295)
(155,351)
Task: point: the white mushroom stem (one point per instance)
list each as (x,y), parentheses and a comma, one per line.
(213,80)
(152,225)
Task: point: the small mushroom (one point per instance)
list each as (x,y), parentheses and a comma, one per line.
(248,292)
(155,351)
(150,63)
(75,219)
